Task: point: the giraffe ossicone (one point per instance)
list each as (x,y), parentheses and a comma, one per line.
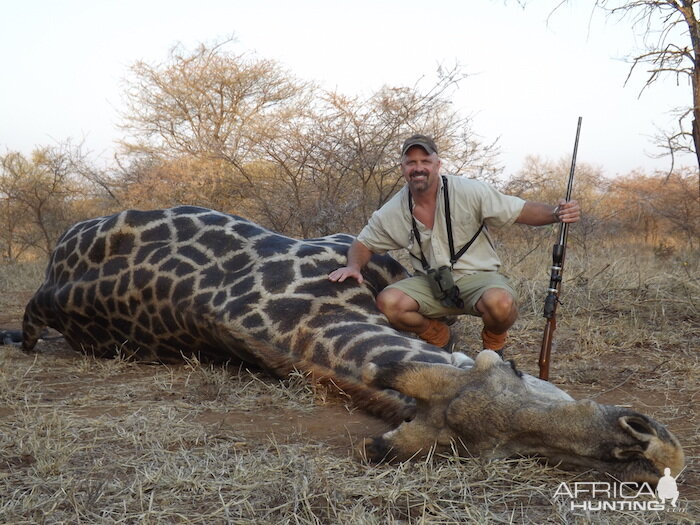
(162,284)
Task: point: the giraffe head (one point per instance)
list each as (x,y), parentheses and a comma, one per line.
(492,409)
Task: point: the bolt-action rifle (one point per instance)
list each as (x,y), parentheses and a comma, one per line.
(552,299)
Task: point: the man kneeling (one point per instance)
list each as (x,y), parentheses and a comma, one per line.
(443,223)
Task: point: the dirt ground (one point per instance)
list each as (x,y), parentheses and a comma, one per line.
(332,423)
(60,377)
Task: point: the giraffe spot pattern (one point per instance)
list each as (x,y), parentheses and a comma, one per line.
(161,284)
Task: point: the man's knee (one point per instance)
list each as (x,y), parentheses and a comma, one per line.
(498,303)
(392,302)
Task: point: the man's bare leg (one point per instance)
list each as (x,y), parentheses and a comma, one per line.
(499,312)
(402,312)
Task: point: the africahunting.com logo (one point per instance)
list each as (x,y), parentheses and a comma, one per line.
(601,496)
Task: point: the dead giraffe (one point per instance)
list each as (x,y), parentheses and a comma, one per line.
(191,281)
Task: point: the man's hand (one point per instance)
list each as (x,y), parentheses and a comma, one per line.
(568,211)
(539,213)
(358,257)
(345,272)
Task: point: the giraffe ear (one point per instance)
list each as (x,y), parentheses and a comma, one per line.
(418,380)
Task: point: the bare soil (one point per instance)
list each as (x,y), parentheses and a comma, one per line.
(58,379)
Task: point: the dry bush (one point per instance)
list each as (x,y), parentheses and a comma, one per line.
(17,282)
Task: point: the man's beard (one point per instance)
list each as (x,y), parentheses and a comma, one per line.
(419,185)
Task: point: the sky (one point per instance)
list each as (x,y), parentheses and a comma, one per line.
(531,72)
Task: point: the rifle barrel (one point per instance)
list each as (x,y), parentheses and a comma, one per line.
(564,227)
(558,253)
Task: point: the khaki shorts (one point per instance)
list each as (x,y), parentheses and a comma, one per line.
(471,287)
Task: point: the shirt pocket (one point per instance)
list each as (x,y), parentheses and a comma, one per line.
(463,229)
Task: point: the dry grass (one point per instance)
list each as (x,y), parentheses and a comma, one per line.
(109,441)
(19,281)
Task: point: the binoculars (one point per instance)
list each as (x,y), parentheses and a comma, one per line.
(443,286)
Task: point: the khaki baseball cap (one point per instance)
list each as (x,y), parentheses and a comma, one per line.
(423,141)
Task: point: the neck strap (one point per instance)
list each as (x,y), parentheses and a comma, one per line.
(454,257)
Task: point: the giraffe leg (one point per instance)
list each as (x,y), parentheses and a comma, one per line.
(33,325)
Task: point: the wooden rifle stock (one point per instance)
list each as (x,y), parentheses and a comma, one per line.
(558,253)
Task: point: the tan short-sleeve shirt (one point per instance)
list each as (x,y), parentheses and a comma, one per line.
(471,203)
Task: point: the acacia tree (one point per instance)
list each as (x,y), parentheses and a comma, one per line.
(343,163)
(657,208)
(301,160)
(545,181)
(207,101)
(672,47)
(212,105)
(365,134)
(41,197)
(14,216)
